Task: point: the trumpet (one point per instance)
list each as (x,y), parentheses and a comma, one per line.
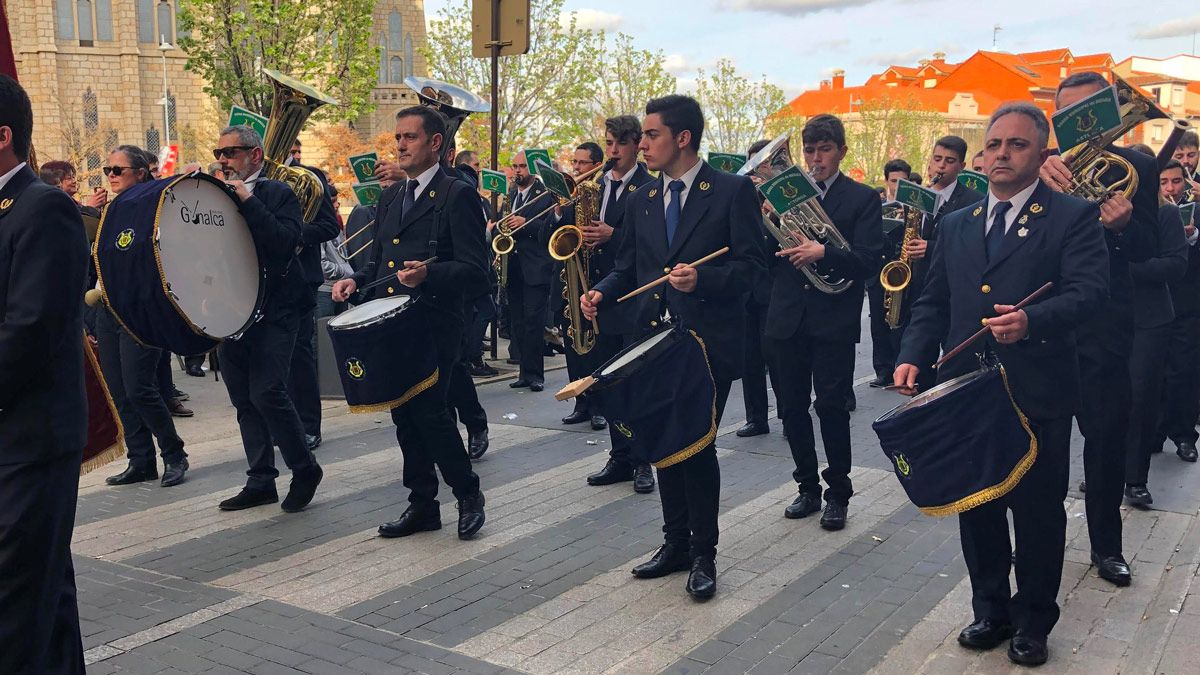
(503,243)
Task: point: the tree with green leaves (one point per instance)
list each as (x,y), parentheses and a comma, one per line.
(887,128)
(735,108)
(627,78)
(323,43)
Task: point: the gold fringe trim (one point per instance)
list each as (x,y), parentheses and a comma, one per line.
(396,403)
(1003,487)
(117,449)
(707,438)
(113,453)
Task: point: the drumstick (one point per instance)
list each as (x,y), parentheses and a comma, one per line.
(983,331)
(391,277)
(663,279)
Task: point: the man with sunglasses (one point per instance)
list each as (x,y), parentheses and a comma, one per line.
(256,365)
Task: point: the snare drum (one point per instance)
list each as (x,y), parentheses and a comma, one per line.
(959,445)
(177,264)
(385,353)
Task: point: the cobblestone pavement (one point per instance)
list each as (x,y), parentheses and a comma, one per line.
(169,584)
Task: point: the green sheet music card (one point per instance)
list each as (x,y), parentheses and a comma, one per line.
(533,155)
(1086,119)
(494,181)
(363,166)
(367,193)
(726,161)
(918,197)
(1188,213)
(973,180)
(552,179)
(239,115)
(788,190)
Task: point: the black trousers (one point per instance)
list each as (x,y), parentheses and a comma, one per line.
(527,325)
(804,365)
(462,398)
(883,349)
(1181,383)
(582,365)
(428,436)
(39,619)
(131,372)
(691,494)
(754,377)
(611,345)
(303,388)
(1104,422)
(1040,527)
(166,384)
(256,375)
(1146,367)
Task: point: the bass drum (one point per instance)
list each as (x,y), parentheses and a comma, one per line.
(177,264)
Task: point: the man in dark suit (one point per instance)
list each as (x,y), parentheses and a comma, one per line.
(43,410)
(256,365)
(811,334)
(754,380)
(1130,230)
(690,211)
(530,268)
(431,214)
(883,344)
(1002,250)
(1181,388)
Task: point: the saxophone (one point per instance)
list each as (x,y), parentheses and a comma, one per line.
(567,245)
(897,274)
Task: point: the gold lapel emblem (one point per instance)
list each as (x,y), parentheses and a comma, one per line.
(978,210)
(704,185)
(1035,209)
(1024,219)
(652,193)
(5,204)
(1023,232)
(432,194)
(632,188)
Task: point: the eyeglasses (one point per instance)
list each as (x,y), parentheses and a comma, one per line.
(520,166)
(230,151)
(116,170)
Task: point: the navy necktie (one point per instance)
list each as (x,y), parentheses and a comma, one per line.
(995,235)
(410,196)
(612,197)
(519,201)
(673,209)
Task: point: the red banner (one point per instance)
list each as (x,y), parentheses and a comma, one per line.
(105,436)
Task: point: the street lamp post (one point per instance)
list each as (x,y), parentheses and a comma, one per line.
(165,47)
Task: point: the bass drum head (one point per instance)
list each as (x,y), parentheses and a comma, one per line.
(370,312)
(208,257)
(635,352)
(943,389)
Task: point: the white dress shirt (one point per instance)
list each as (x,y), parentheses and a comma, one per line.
(828,184)
(8,176)
(608,188)
(688,178)
(424,180)
(251,180)
(1018,202)
(943,195)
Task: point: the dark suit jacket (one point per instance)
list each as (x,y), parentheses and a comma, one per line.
(1063,243)
(320,229)
(795,305)
(961,198)
(537,267)
(446,214)
(720,210)
(1185,293)
(43,269)
(274,216)
(1151,298)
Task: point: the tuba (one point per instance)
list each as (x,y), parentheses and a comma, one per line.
(294,101)
(806,221)
(566,244)
(455,104)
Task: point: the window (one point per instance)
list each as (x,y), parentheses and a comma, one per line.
(396,73)
(91,114)
(395,30)
(83,10)
(166,23)
(408,52)
(383,74)
(64,20)
(153,142)
(145,17)
(104,20)
(170,113)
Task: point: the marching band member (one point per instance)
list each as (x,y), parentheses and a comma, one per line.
(754,377)
(690,211)
(1023,236)
(883,343)
(256,365)
(811,334)
(410,229)
(1187,153)
(530,269)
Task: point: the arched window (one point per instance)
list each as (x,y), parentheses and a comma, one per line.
(64,20)
(104,20)
(395,30)
(166,23)
(396,76)
(383,73)
(145,21)
(171,126)
(408,52)
(83,10)
(91,113)
(153,142)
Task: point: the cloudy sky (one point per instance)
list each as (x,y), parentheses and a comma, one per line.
(796,43)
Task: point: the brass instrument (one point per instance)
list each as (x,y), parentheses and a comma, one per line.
(455,103)
(808,221)
(896,276)
(567,245)
(294,101)
(1091,162)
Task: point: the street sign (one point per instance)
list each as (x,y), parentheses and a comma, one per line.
(513,27)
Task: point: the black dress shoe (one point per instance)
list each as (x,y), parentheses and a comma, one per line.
(133,475)
(834,517)
(1113,569)
(518,384)
(576,417)
(1138,495)
(643,479)
(195,371)
(312,442)
(536,386)
(1186,451)
(1027,650)
(753,429)
(879,382)
(613,472)
(414,519)
(985,634)
(667,560)
(599,423)
(481,369)
(249,498)
(702,582)
(513,362)
(1083,486)
(173,473)
(304,486)
(470,516)
(477,443)
(805,504)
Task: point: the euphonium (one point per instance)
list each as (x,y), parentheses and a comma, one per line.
(897,274)
(806,221)
(294,101)
(567,244)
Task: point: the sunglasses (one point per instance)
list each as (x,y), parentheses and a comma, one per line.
(116,170)
(230,151)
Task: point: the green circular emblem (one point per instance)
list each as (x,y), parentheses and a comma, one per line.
(355,369)
(124,240)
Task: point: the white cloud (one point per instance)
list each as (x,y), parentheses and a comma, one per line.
(793,7)
(1170,29)
(593,19)
(676,64)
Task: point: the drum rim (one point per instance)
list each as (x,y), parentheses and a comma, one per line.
(600,374)
(374,319)
(920,399)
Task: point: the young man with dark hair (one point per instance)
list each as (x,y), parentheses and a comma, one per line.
(690,211)
(410,230)
(883,343)
(894,171)
(811,334)
(1187,153)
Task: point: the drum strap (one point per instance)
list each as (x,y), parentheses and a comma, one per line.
(439,206)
